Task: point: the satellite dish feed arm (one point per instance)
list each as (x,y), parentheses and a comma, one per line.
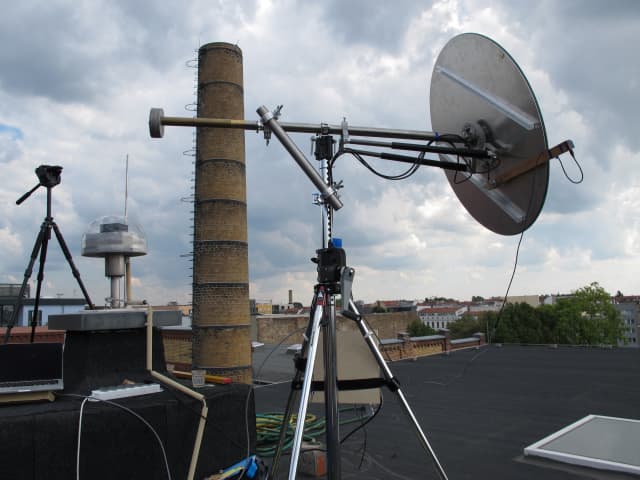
(326,191)
(530,164)
(268,123)
(157,122)
(447,165)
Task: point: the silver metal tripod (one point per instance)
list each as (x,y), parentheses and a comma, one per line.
(334,278)
(323,317)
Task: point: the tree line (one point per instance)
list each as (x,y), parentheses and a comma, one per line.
(586,317)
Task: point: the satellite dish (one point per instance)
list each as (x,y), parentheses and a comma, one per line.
(488,133)
(490,138)
(479,92)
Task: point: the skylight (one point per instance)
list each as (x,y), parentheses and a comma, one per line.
(596,441)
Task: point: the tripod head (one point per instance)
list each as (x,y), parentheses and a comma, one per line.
(48,175)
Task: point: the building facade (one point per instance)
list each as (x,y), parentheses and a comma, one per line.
(629,308)
(9,293)
(47,306)
(441,317)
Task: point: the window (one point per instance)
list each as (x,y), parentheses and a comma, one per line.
(6,311)
(39,319)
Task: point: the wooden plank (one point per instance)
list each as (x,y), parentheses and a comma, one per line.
(530,164)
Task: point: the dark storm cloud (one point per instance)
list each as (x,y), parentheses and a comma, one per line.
(46,61)
(77,53)
(57,55)
(589,49)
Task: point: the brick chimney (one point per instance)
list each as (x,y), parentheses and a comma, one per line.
(221,335)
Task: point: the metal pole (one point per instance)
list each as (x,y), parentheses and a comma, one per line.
(327,193)
(325,214)
(157,121)
(331,392)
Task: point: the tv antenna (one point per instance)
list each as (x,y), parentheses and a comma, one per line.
(490,140)
(49,176)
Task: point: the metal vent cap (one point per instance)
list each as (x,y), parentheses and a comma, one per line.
(113,234)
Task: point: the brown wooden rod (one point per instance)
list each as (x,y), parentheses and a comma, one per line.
(531,163)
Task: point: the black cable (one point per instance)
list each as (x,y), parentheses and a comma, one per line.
(122,407)
(363,424)
(402,176)
(575,182)
(389,359)
(461,374)
(406,174)
(449,139)
(513,273)
(276,348)
(364,449)
(504,302)
(491,333)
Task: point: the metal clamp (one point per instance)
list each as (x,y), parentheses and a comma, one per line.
(344,136)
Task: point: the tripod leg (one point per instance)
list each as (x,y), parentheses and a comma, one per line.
(306,386)
(293,395)
(74,270)
(368,336)
(284,428)
(43,259)
(27,275)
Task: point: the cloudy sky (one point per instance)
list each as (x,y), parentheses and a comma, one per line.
(77,80)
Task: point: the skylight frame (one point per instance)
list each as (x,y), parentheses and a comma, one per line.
(537,449)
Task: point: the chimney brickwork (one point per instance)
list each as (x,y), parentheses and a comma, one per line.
(221,334)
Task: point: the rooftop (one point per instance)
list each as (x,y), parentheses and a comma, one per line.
(479,409)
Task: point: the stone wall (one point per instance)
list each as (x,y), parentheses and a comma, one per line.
(274,328)
(43,334)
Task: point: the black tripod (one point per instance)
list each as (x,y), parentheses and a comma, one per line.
(49,177)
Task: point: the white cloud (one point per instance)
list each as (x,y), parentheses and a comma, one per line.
(80,93)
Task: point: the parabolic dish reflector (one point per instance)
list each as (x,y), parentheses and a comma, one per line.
(476,86)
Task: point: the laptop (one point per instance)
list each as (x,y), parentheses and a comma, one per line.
(30,367)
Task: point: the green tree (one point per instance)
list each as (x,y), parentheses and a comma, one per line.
(549,321)
(588,318)
(469,324)
(379,308)
(419,329)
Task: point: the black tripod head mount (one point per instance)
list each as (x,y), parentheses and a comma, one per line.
(331,263)
(48,175)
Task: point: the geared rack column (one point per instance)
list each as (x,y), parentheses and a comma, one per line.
(221,335)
